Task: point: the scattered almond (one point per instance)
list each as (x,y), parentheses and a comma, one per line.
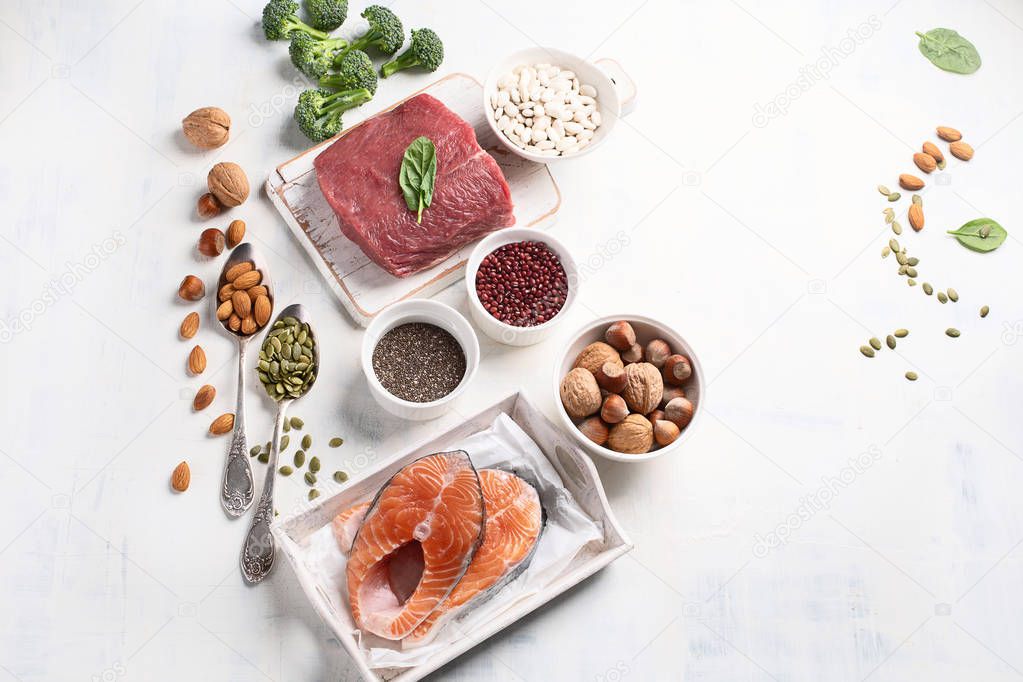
(916,217)
(932,150)
(197,360)
(222,424)
(203,397)
(925,162)
(181,477)
(189,325)
(949,134)
(235,233)
(247,279)
(239,269)
(910,183)
(961,150)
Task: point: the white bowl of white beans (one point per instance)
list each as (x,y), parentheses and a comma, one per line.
(544,104)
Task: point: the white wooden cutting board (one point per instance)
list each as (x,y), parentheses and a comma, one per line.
(361,285)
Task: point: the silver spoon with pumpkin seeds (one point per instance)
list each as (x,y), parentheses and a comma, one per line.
(289,361)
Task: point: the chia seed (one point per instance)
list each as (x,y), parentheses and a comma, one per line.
(418,362)
(522,284)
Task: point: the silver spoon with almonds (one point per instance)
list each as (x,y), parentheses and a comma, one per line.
(289,362)
(244,303)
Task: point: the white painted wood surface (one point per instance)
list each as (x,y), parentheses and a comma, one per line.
(753,229)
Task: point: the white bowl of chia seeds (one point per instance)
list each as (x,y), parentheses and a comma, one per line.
(418,357)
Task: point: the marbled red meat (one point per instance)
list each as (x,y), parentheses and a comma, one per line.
(358,175)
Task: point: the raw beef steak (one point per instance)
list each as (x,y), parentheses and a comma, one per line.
(358,175)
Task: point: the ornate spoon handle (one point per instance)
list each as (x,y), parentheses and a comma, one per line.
(237,490)
(258,552)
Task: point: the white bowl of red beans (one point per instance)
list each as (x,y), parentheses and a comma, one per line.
(520,283)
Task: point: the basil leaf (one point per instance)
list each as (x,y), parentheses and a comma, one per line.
(971,234)
(949,51)
(418,175)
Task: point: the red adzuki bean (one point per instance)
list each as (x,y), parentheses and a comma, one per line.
(522,284)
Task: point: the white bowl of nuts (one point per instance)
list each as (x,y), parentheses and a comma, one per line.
(544,104)
(629,387)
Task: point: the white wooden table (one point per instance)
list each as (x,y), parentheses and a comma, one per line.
(830,521)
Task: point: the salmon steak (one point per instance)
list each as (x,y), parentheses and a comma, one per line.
(346,525)
(433,509)
(514,520)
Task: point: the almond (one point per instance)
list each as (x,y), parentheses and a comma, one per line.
(261,309)
(949,134)
(234,323)
(916,217)
(189,325)
(242,303)
(910,183)
(235,233)
(203,397)
(222,424)
(225,292)
(249,326)
(925,162)
(197,360)
(181,477)
(961,150)
(235,270)
(932,150)
(258,290)
(247,279)
(224,310)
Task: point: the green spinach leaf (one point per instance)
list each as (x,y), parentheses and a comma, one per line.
(418,175)
(949,51)
(982,234)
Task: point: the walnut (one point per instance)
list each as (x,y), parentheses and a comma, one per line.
(579,393)
(207,128)
(227,182)
(595,355)
(634,435)
(643,387)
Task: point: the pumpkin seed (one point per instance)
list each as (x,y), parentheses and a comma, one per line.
(911,282)
(911,271)
(313,494)
(867,350)
(953,332)
(942,298)
(984,310)
(310,478)
(264,457)
(296,422)
(928,289)
(883,190)
(918,200)
(254,451)
(314,465)
(913,260)
(894,244)
(285,441)
(911,376)
(941,164)
(299,458)
(894,196)
(286,470)
(890,340)
(901,333)
(287,426)
(875,343)
(336,442)
(985,232)
(903,269)
(953,295)
(340,476)
(901,258)
(307,442)
(896,228)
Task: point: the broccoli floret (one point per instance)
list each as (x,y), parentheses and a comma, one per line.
(314,57)
(355,70)
(280,21)
(385,31)
(426,51)
(319,111)
(327,14)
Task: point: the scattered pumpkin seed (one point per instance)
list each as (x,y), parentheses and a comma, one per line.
(913,260)
(287,426)
(894,244)
(901,258)
(941,164)
(340,476)
(942,298)
(313,494)
(883,190)
(910,270)
(896,228)
(911,282)
(336,442)
(903,269)
(953,295)
(984,310)
(285,441)
(890,340)
(867,351)
(307,442)
(911,376)
(296,422)
(264,457)
(894,196)
(286,470)
(314,465)
(918,200)
(254,451)
(310,478)
(875,343)
(901,333)
(928,289)
(985,232)
(953,332)
(299,458)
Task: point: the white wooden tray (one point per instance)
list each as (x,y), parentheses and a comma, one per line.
(577,473)
(360,284)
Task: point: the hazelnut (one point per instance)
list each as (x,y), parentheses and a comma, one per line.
(207,128)
(595,355)
(665,432)
(633,435)
(235,233)
(633,354)
(595,430)
(679,411)
(208,206)
(677,369)
(611,377)
(643,387)
(614,409)
(191,288)
(211,242)
(228,183)
(670,393)
(579,393)
(657,351)
(620,335)
(655,416)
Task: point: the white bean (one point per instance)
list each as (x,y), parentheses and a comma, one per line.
(573,128)
(584,135)
(544,144)
(538,109)
(553,134)
(587,91)
(515,96)
(586,99)
(528,113)
(539,135)
(503,122)
(565,143)
(503,98)
(588,124)
(568,75)
(511,109)
(595,117)
(560,84)
(580,116)
(541,122)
